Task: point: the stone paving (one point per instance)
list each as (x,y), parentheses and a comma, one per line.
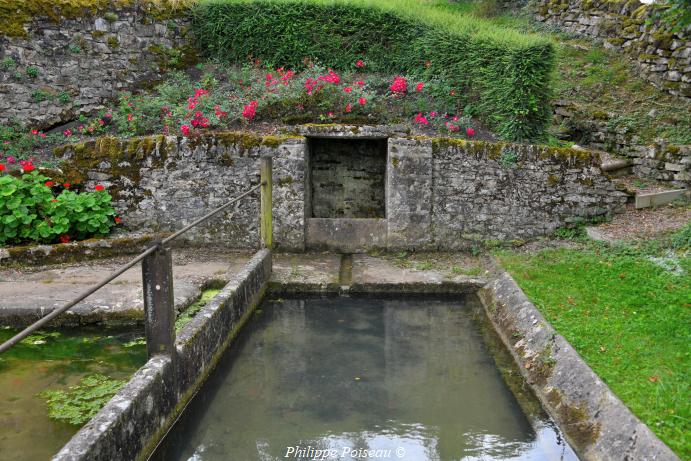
(27,294)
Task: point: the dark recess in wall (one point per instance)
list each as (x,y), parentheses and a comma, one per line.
(348,177)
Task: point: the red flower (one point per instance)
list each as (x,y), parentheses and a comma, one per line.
(66,185)
(250,110)
(67,132)
(362,101)
(421,119)
(118,220)
(360,64)
(2,167)
(348,107)
(360,83)
(34,131)
(99,187)
(185,130)
(28,167)
(101,122)
(64,238)
(419,86)
(399,85)
(50,183)
(347,89)
(470,132)
(130,117)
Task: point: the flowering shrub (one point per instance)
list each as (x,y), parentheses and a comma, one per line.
(229,98)
(33,208)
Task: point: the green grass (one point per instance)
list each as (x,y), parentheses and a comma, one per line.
(629,318)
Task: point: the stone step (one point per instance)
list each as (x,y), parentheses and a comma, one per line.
(617,167)
(658,198)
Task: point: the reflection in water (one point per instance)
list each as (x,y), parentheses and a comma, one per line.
(347,379)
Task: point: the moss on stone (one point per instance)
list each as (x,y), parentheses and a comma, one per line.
(113,41)
(581,430)
(16,14)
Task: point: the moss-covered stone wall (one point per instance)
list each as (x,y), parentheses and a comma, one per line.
(663,55)
(59,59)
(439,192)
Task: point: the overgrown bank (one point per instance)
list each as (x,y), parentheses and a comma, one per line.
(506,74)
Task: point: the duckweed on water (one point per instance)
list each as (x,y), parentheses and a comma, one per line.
(81,402)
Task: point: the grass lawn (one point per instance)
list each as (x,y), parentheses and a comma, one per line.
(628,317)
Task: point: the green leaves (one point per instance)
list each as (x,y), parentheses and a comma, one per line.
(505,76)
(30,211)
(81,403)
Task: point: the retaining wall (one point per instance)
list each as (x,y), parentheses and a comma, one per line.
(663,54)
(63,60)
(439,193)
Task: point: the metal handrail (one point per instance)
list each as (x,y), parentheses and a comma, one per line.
(45,320)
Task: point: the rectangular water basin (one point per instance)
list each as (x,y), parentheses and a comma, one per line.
(359,378)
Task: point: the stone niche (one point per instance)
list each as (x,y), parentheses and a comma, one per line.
(347,177)
(345,189)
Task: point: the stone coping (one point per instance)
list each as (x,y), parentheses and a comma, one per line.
(597,424)
(94,248)
(133,422)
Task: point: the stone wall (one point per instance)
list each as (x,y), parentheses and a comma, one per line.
(58,68)
(660,160)
(450,193)
(440,193)
(663,56)
(163,183)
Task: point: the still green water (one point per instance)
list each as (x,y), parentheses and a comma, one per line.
(55,360)
(347,378)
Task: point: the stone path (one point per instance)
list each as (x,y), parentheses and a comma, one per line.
(29,293)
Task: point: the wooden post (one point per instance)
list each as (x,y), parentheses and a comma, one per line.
(159,306)
(266,224)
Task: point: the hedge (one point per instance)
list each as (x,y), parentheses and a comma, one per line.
(504,73)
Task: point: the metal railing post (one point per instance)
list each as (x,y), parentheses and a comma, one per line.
(266,224)
(159,303)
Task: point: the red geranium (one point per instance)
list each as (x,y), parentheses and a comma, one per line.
(99,187)
(2,167)
(399,85)
(64,238)
(360,64)
(50,183)
(362,101)
(419,86)
(470,132)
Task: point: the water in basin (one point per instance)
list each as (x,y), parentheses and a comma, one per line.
(352,378)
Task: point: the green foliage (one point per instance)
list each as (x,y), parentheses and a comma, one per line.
(30,211)
(628,317)
(8,63)
(16,142)
(676,13)
(76,49)
(570,233)
(681,240)
(32,71)
(40,95)
(64,97)
(508,158)
(504,75)
(81,402)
